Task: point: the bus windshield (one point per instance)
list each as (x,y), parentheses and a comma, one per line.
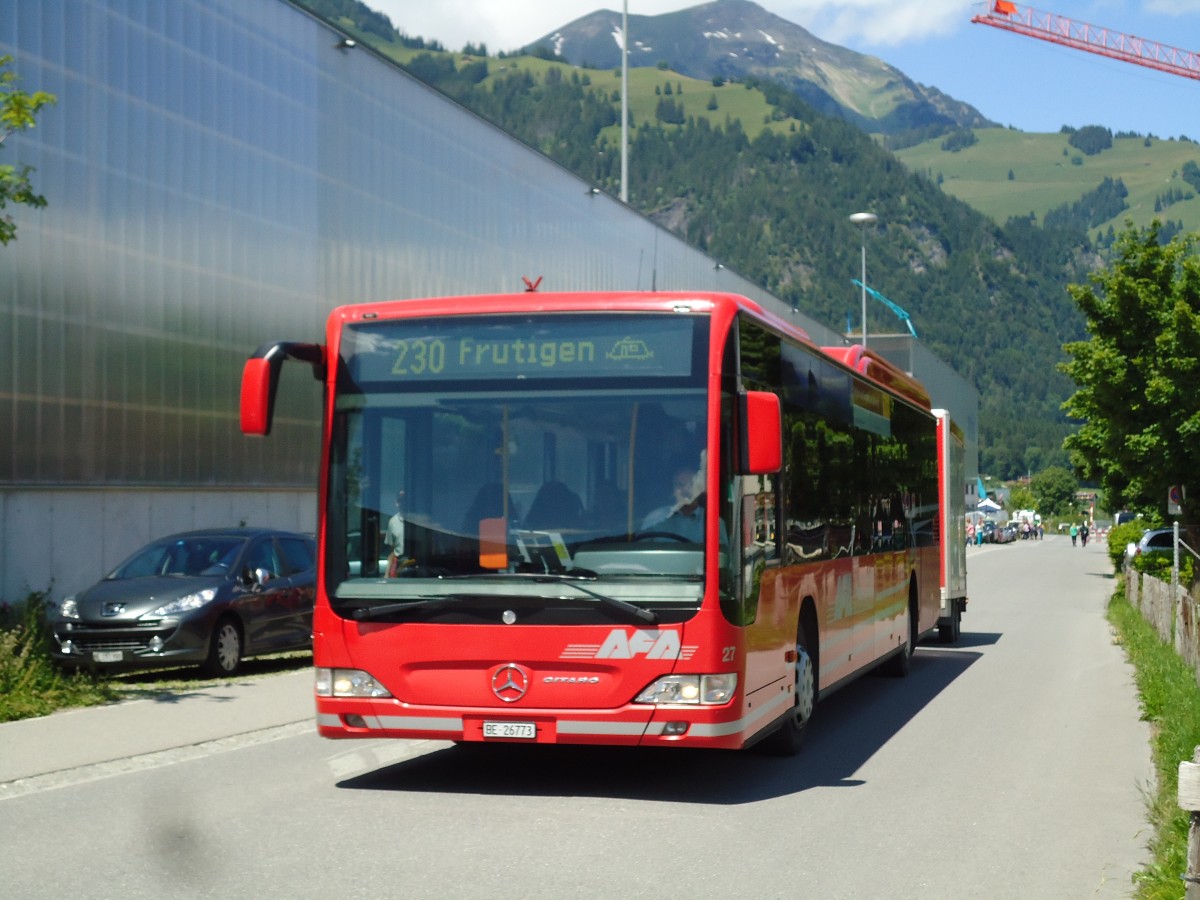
(518,457)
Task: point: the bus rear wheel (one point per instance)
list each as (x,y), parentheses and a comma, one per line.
(900,664)
(951,630)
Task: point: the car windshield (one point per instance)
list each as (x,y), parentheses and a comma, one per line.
(189,557)
(474,481)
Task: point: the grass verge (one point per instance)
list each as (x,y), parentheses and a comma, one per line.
(31,685)
(1170,701)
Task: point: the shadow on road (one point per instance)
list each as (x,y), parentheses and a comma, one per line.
(171,685)
(972,639)
(849,727)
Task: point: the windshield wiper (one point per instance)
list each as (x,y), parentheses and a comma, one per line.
(424,604)
(434,604)
(637,612)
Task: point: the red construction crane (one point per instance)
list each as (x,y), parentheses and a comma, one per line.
(1082,36)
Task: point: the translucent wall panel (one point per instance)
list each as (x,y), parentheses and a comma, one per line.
(220,174)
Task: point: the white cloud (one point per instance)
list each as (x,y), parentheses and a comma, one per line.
(876,22)
(1173,7)
(508,24)
(501,24)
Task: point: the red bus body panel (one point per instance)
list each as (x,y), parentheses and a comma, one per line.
(952,562)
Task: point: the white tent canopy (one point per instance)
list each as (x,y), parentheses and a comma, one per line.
(987,504)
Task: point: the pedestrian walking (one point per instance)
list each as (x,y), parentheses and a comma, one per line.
(1074,533)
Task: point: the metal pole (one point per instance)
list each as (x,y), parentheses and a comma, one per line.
(864,219)
(1175,564)
(625,102)
(864,286)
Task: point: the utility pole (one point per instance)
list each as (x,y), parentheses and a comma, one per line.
(625,102)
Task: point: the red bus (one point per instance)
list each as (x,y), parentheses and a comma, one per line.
(644,519)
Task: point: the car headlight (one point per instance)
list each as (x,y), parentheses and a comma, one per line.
(348,683)
(707,690)
(69,608)
(183,604)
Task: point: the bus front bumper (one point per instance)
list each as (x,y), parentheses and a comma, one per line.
(632,726)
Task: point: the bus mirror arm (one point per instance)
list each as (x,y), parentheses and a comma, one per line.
(260,379)
(762,433)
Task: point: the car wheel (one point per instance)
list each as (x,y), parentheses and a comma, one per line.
(224,649)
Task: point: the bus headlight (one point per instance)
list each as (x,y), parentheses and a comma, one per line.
(348,683)
(707,690)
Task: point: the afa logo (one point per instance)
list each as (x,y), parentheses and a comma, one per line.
(621,644)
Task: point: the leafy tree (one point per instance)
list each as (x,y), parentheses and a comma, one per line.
(1120,537)
(18,111)
(1021,497)
(1054,490)
(1138,375)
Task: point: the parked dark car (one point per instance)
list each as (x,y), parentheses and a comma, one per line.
(1005,534)
(1156,541)
(210,597)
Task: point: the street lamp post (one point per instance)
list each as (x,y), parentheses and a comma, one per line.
(625,102)
(864,219)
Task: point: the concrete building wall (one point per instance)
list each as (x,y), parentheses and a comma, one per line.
(60,540)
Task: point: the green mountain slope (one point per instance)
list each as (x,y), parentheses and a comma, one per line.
(753,175)
(1012,173)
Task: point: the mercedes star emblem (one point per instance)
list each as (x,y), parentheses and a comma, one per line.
(510,683)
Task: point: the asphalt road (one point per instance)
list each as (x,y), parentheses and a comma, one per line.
(1010,765)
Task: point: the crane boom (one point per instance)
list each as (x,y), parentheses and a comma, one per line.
(1091,38)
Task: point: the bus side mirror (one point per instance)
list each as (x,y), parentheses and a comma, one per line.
(762,433)
(258,390)
(260,378)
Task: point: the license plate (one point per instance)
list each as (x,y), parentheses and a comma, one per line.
(107,656)
(522,731)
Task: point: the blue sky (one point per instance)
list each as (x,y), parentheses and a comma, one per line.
(1015,81)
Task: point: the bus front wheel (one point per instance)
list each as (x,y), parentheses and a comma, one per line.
(789,739)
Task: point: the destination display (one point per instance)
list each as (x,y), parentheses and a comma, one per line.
(542,347)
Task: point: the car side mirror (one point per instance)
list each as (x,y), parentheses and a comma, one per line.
(255,578)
